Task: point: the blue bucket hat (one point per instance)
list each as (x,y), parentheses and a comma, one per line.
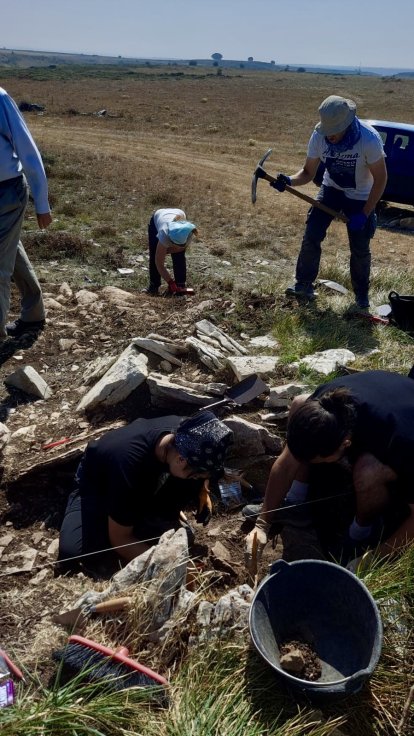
(179,231)
(203,441)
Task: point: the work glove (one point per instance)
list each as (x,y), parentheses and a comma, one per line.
(357,222)
(281,181)
(361,564)
(205,507)
(172,287)
(259,533)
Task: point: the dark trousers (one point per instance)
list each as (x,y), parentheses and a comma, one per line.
(178,260)
(317,224)
(84,528)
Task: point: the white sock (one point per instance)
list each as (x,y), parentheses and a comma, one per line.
(358,532)
(298,492)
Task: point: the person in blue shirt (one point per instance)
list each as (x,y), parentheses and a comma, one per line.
(21,167)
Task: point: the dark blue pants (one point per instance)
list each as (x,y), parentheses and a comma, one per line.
(317,224)
(178,260)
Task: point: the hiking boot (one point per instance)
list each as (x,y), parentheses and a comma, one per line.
(362,302)
(150,290)
(301,290)
(19,327)
(298,515)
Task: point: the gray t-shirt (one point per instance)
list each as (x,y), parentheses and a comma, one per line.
(162,218)
(348,170)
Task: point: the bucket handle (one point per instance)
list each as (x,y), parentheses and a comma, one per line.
(278,566)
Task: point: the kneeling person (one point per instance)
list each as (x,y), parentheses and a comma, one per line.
(133,482)
(367,418)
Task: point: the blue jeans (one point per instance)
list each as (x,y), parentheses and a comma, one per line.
(317,224)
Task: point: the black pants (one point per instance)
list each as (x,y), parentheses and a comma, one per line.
(84,529)
(178,260)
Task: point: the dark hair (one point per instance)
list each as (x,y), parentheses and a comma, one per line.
(321,424)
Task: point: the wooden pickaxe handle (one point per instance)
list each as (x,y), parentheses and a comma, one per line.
(314,202)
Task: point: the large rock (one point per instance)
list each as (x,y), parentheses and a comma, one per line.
(123,377)
(250,440)
(327,361)
(165,393)
(98,368)
(245,365)
(84,297)
(28,380)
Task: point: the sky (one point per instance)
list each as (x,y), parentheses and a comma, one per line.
(366,33)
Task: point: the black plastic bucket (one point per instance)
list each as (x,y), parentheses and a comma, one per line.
(402,310)
(330,609)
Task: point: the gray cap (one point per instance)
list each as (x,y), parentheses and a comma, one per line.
(336,115)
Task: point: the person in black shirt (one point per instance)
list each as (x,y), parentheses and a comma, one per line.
(366,420)
(133,482)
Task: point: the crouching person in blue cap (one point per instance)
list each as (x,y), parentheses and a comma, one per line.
(168,232)
(133,482)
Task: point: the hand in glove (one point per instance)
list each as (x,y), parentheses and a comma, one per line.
(172,286)
(280,183)
(205,507)
(254,545)
(357,222)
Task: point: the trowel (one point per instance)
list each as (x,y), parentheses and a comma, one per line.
(241,393)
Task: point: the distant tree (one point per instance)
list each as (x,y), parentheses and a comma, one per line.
(250,58)
(301,69)
(192,62)
(216,56)
(273,62)
(215,63)
(287,68)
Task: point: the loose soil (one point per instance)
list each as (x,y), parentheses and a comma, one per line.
(312,668)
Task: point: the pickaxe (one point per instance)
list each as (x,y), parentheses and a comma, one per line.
(260,173)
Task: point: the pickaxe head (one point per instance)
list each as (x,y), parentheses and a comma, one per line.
(259,174)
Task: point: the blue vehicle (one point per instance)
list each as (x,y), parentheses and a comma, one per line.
(398,140)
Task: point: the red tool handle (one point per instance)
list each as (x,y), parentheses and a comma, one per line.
(55,444)
(118,656)
(12,667)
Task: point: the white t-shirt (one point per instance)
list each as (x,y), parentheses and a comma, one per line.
(348,170)
(161,219)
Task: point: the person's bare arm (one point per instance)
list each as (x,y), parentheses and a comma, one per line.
(160,254)
(379,173)
(306,173)
(120,535)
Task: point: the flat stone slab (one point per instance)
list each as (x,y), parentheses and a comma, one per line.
(122,378)
(28,380)
(244,365)
(327,361)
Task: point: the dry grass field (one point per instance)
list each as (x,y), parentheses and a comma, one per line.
(188,138)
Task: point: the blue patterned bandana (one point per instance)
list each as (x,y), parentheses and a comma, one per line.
(352,136)
(203,440)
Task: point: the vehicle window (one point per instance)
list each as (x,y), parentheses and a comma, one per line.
(383,135)
(401,141)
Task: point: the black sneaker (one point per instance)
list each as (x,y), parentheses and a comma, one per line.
(150,290)
(19,327)
(301,291)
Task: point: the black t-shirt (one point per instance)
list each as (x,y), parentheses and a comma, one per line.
(385,418)
(122,471)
